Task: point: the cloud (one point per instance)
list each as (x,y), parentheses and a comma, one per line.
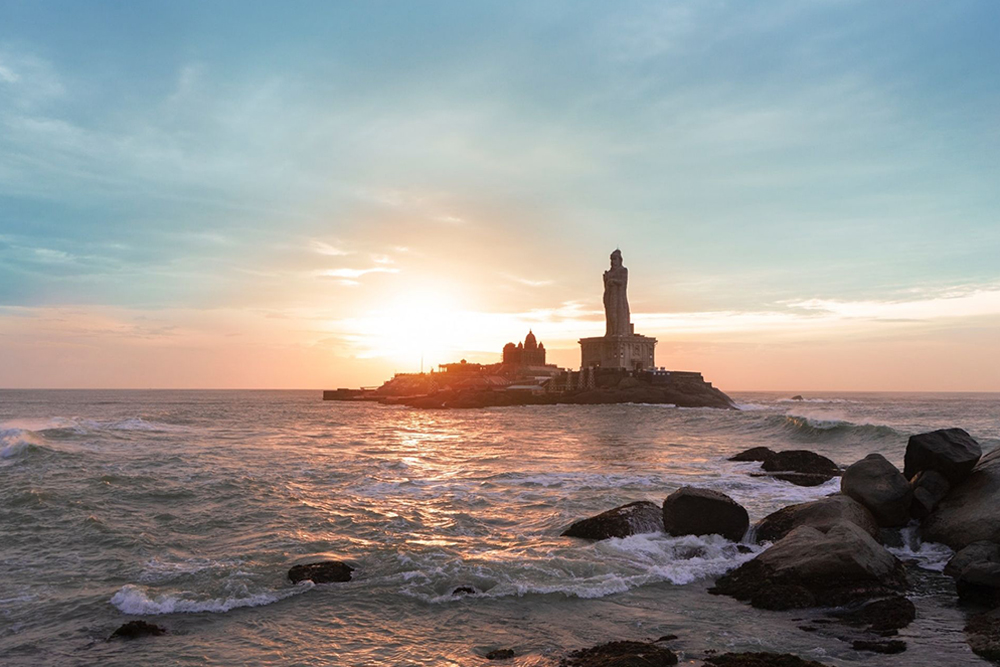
(351,274)
(324,248)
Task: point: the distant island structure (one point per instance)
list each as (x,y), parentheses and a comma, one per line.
(617,367)
(620,346)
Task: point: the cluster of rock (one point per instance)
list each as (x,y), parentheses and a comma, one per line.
(829,553)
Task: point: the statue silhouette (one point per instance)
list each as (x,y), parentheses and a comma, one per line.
(615,298)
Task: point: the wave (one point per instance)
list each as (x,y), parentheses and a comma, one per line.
(56,426)
(815,400)
(928,555)
(17,442)
(822,425)
(604,568)
(137,601)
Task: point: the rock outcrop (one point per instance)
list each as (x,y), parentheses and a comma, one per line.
(800,467)
(951,452)
(879,486)
(929,488)
(977,552)
(971,510)
(631,519)
(323,572)
(137,629)
(623,654)
(882,617)
(822,514)
(753,454)
(983,634)
(693,511)
(808,568)
(759,660)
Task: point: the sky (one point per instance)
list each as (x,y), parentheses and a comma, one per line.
(320,194)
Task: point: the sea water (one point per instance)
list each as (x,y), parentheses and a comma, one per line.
(186,509)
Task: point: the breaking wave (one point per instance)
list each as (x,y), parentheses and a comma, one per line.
(137,601)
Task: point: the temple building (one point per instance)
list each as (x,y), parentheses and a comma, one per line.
(528,353)
(619,347)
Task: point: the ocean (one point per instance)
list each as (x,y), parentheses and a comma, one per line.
(186,509)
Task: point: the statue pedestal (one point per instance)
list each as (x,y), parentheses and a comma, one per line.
(631,352)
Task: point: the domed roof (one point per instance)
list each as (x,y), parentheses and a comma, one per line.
(529,340)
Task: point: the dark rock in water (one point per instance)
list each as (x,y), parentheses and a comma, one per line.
(753,454)
(951,452)
(889,647)
(797,397)
(980,583)
(321,573)
(692,511)
(620,654)
(977,552)
(929,488)
(820,514)
(881,616)
(801,467)
(136,629)
(983,634)
(464,590)
(971,510)
(879,486)
(760,660)
(809,568)
(500,654)
(666,638)
(631,519)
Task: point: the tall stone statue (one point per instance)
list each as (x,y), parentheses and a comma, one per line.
(615,298)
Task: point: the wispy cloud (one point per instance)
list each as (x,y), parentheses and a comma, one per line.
(324,248)
(352,274)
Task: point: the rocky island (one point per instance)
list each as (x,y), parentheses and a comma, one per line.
(617,367)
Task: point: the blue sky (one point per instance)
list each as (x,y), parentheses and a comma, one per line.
(235,194)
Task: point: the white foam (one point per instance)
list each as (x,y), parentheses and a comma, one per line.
(14,441)
(929,555)
(137,601)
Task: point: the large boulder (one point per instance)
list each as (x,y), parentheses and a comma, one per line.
(324,572)
(971,510)
(977,552)
(822,514)
(801,467)
(809,568)
(638,517)
(692,511)
(980,583)
(879,486)
(929,488)
(951,452)
(137,629)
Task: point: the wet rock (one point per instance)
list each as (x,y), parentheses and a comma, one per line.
(977,552)
(323,572)
(137,629)
(982,632)
(951,452)
(879,646)
(464,590)
(979,583)
(797,397)
(753,454)
(882,616)
(809,568)
(621,654)
(801,467)
(500,654)
(692,511)
(631,519)
(760,660)
(666,638)
(929,488)
(820,514)
(971,510)
(879,486)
